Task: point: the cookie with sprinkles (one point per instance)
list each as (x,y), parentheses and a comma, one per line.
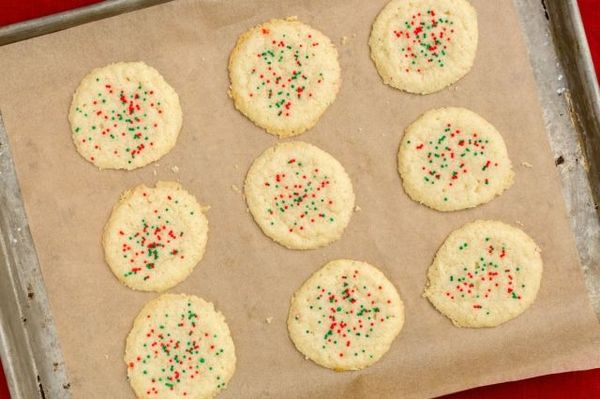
(484,274)
(155,236)
(299,195)
(179,347)
(345,316)
(124,116)
(284,74)
(422,46)
(452,159)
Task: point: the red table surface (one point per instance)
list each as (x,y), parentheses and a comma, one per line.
(582,384)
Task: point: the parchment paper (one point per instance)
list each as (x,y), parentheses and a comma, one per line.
(245,274)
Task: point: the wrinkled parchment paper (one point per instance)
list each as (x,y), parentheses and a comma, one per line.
(245,274)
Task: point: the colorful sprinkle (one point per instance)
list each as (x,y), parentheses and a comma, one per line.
(152,242)
(424,40)
(491,277)
(279,74)
(302,194)
(446,157)
(127,127)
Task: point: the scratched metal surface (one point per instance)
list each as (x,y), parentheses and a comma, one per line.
(568,91)
(569,95)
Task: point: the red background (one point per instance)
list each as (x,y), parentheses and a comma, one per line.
(575,385)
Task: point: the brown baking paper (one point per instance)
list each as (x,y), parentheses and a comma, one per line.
(245,274)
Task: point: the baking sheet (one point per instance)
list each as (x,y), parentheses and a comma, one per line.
(247,276)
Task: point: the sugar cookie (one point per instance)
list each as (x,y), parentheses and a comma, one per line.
(179,347)
(484,274)
(299,195)
(345,316)
(452,159)
(155,236)
(124,116)
(284,74)
(422,46)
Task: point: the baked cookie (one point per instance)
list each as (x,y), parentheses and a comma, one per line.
(345,316)
(284,74)
(155,236)
(485,274)
(179,347)
(299,195)
(451,159)
(124,116)
(422,46)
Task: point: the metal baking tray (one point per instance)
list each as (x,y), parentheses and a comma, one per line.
(569,94)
